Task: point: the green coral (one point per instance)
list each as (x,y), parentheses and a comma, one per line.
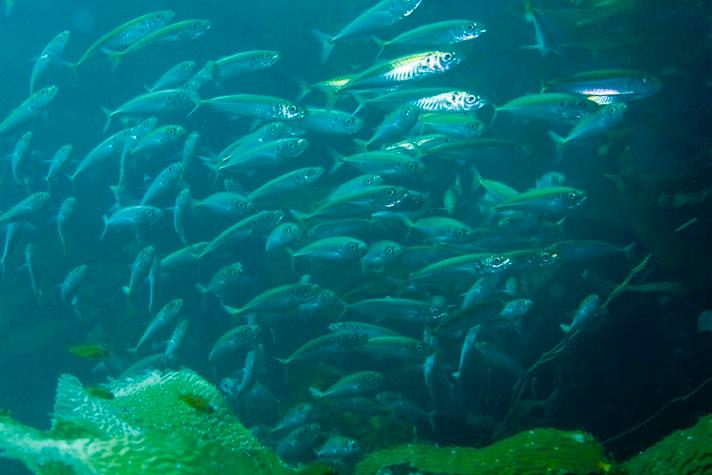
(146,428)
(687,451)
(534,452)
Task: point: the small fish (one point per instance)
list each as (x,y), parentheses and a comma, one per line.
(199,403)
(399,406)
(164,318)
(235,340)
(466,266)
(356,384)
(558,108)
(155,280)
(175,76)
(176,339)
(356,184)
(608,86)
(480,290)
(360,327)
(593,124)
(404,69)
(266,133)
(72,282)
(165,183)
(437,34)
(65,218)
(282,236)
(329,121)
(450,124)
(583,249)
(182,30)
(26,208)
(551,179)
(140,269)
(190,153)
(299,441)
(182,214)
(257,225)
(338,248)
(468,347)
(395,125)
(399,348)
(50,56)
(90,352)
(226,205)
(223,281)
(163,102)
(268,155)
(157,140)
(381,254)
(59,162)
(294,417)
(384,163)
(236,64)
(327,346)
(381,15)
(586,310)
(398,309)
(31,262)
(338,447)
(29,109)
(20,156)
(134,218)
(208,74)
(101,153)
(553,199)
(279,298)
(256,107)
(451,101)
(277,188)
(545,40)
(128,33)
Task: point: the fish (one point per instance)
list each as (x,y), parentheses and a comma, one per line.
(163,102)
(90,351)
(223,281)
(165,183)
(279,298)
(51,55)
(329,121)
(189,154)
(298,441)
(327,346)
(553,199)
(398,309)
(26,208)
(399,348)
(441,33)
(593,124)
(395,125)
(140,269)
(356,184)
(31,262)
(574,250)
(472,266)
(28,110)
(606,86)
(543,32)
(283,236)
(59,162)
(175,76)
(257,225)
(226,204)
(401,70)
(384,163)
(182,30)
(236,340)
(246,62)
(267,155)
(450,124)
(356,384)
(337,248)
(198,403)
(20,157)
(468,347)
(480,290)
(556,108)
(381,15)
(182,213)
(367,329)
(65,217)
(168,313)
(586,310)
(72,282)
(338,447)
(155,279)
(134,218)
(295,416)
(174,342)
(127,33)
(101,153)
(255,106)
(266,133)
(381,254)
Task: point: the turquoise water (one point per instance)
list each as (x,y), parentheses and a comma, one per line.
(638,187)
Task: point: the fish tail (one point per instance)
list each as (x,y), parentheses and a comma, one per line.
(108,113)
(381,45)
(316,393)
(304,88)
(338,160)
(560,143)
(126,290)
(105,220)
(327,44)
(115,58)
(565,328)
(628,250)
(201,289)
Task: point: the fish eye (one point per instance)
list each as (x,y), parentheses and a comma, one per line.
(453,97)
(369,378)
(183,96)
(349,121)
(447,56)
(406,112)
(429,59)
(572,196)
(246,331)
(287,230)
(241,204)
(471,98)
(353,246)
(390,192)
(292,109)
(150,212)
(389,250)
(420,348)
(411,166)
(474,126)
(352,337)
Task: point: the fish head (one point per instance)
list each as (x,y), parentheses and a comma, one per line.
(171,134)
(288,111)
(349,446)
(45,95)
(173,307)
(292,147)
(370,380)
(467,30)
(546,257)
(472,128)
(247,334)
(185,99)
(311,174)
(413,201)
(572,198)
(353,341)
(271,131)
(150,215)
(196,29)
(39,200)
(496,263)
(348,124)
(646,85)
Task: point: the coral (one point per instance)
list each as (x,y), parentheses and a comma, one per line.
(687,451)
(145,427)
(538,451)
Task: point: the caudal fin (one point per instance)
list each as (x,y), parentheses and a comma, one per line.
(316,393)
(327,44)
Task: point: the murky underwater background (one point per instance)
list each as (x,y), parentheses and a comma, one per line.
(645,178)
